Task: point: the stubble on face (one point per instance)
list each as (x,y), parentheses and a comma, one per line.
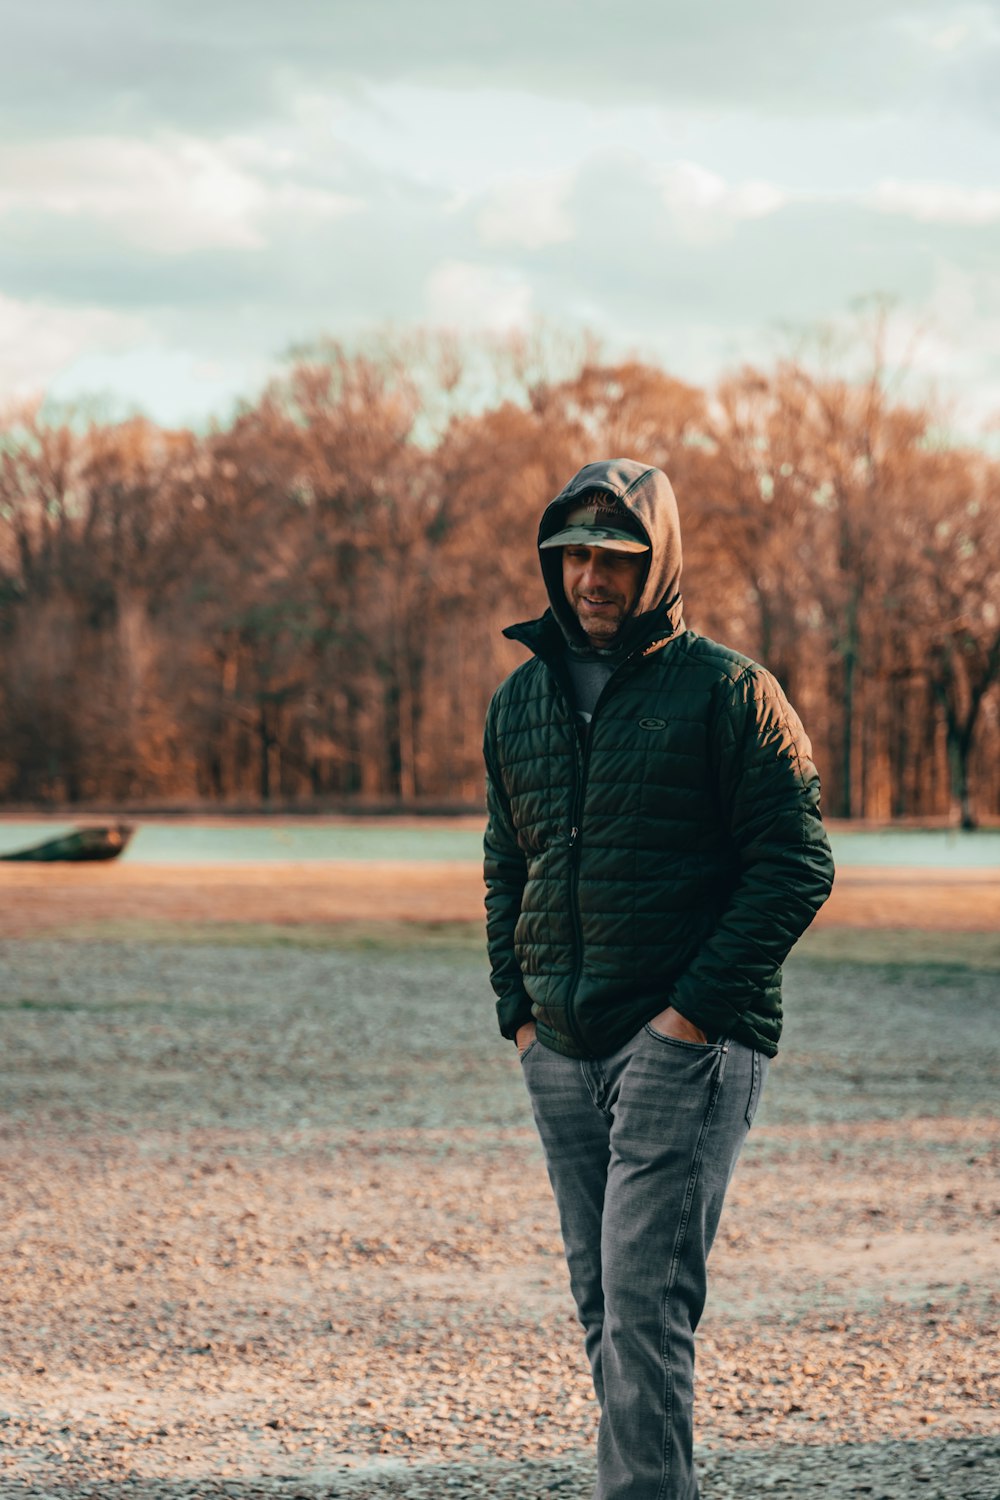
(602,588)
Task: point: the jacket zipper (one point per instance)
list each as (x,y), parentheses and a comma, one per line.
(582,758)
(575,844)
(581,763)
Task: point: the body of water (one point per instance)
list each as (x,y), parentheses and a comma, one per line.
(253,842)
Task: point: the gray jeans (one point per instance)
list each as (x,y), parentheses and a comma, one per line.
(640,1147)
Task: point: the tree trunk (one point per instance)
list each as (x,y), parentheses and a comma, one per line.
(264,749)
(959,754)
(850,655)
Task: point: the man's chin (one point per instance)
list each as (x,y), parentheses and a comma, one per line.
(603,636)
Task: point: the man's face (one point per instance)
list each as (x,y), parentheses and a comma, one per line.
(602,588)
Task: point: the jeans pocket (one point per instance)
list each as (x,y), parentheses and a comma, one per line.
(529,1048)
(679,1041)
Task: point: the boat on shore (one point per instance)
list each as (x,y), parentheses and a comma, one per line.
(80,846)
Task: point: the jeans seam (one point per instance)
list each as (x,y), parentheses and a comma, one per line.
(682,1229)
(591,1072)
(751,1108)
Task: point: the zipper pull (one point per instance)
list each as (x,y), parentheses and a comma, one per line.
(572,837)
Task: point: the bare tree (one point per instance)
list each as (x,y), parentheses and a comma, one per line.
(307,603)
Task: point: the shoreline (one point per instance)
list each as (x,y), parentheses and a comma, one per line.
(415,815)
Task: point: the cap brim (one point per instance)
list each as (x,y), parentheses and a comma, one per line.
(595,536)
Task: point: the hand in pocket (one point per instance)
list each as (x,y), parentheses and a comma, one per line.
(670,1022)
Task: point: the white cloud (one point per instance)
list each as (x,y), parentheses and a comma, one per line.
(703,205)
(38,340)
(172,195)
(950,38)
(966,27)
(937,202)
(467,297)
(528,212)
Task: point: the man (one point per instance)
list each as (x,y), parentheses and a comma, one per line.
(653,850)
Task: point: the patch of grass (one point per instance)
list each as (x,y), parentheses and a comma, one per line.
(28,1002)
(68,1005)
(905,948)
(345,937)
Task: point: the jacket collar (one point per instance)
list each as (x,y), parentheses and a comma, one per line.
(544,637)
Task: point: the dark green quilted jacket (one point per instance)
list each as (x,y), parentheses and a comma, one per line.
(674,854)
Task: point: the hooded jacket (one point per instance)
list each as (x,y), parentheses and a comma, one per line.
(674,854)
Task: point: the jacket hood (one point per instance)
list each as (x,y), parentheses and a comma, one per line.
(648,496)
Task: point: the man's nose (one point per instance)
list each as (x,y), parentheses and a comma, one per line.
(595,574)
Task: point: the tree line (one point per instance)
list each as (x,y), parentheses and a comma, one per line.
(304,605)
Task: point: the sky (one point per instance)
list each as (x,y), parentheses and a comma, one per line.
(190,188)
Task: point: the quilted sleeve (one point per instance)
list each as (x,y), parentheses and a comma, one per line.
(505,871)
(769,794)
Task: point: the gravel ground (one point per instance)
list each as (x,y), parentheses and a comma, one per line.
(275,1223)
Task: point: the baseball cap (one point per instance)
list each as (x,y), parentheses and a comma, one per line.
(599,525)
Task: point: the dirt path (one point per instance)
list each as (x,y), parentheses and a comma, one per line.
(47,898)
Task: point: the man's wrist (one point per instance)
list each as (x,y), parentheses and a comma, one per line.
(525,1035)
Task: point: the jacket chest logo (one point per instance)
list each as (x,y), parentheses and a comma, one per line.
(652,723)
